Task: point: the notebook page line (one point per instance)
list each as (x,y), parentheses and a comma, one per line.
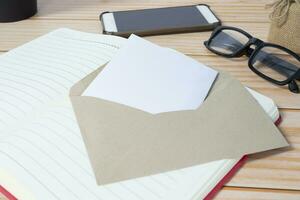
(86,53)
(18,91)
(158,196)
(9,70)
(73,55)
(6,91)
(24,81)
(11,64)
(56,66)
(54,146)
(69,132)
(46,190)
(50,136)
(207,187)
(78,51)
(84,74)
(89,48)
(81,47)
(26,85)
(76,179)
(60,177)
(62,126)
(62,137)
(67,118)
(114,41)
(15,97)
(50,176)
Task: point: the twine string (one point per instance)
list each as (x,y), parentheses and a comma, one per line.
(281,8)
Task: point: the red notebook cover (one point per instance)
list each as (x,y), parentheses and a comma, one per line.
(210,195)
(8,195)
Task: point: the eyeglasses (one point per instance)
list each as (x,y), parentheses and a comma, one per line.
(272,62)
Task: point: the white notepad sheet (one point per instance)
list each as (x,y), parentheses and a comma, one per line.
(42,154)
(151,78)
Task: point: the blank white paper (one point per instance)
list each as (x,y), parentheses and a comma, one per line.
(148,77)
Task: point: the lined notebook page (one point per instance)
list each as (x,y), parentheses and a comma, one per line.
(40,142)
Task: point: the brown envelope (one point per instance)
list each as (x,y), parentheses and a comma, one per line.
(125,143)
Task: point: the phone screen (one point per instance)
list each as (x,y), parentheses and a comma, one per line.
(161,18)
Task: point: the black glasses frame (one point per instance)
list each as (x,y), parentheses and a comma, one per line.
(252,52)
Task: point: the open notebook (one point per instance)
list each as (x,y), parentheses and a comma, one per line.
(42,154)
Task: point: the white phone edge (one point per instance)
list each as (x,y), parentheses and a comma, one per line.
(109,22)
(207,14)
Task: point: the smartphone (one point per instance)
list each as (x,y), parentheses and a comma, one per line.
(159,20)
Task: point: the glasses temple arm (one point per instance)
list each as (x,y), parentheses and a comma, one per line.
(298,75)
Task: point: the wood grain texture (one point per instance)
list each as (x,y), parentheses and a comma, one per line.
(273,175)
(229,193)
(280,168)
(189,43)
(231,10)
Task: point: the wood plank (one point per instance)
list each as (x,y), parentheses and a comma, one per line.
(15,34)
(230,193)
(277,168)
(231,11)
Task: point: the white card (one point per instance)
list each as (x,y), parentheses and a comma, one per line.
(154,79)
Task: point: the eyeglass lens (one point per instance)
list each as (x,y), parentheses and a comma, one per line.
(275,63)
(228,41)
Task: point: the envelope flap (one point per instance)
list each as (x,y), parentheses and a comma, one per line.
(125,143)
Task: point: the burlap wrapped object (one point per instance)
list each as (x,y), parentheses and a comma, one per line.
(285,24)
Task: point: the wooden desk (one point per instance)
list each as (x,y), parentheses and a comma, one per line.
(268,176)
